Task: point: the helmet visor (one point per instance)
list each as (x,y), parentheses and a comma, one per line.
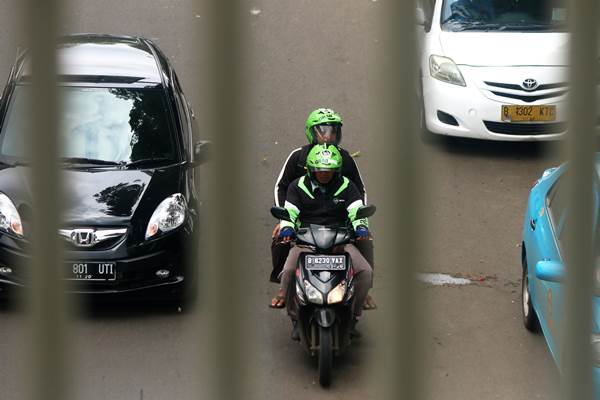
(327,133)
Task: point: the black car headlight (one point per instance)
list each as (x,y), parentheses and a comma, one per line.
(169,214)
(10,221)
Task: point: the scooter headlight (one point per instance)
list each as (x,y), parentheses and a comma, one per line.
(337,294)
(300,294)
(10,221)
(169,215)
(313,295)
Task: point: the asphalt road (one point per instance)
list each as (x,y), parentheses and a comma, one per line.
(302,54)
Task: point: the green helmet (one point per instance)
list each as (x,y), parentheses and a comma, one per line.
(323,117)
(324,157)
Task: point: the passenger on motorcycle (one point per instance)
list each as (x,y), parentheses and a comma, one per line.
(323,196)
(323,126)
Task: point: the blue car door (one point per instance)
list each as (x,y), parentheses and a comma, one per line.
(550,295)
(548,214)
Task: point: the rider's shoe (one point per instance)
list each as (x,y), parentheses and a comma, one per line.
(354,333)
(295,331)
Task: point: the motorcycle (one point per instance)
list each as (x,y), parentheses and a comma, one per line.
(323,289)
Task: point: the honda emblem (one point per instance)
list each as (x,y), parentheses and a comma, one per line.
(83,237)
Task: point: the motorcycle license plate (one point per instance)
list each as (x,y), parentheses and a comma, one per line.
(325,263)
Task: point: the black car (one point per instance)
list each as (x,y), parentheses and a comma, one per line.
(129,152)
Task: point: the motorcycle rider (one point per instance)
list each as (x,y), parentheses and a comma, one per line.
(323,126)
(323,196)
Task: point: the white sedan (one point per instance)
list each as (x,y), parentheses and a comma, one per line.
(496,69)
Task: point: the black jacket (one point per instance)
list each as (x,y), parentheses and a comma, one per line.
(295,167)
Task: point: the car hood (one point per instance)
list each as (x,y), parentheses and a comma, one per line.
(499,49)
(98,196)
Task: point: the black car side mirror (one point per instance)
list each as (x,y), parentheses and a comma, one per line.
(365,211)
(202,150)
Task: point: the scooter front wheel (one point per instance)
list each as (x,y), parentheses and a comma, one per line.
(325,355)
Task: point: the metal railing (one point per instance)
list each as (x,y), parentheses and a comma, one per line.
(398,364)
(47,307)
(577,361)
(398,361)
(223,295)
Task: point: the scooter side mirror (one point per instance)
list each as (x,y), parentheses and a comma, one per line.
(280,213)
(365,211)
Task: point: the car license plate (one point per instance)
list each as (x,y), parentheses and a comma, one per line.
(528,113)
(91,271)
(325,263)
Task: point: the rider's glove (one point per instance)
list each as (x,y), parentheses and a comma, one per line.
(287,233)
(362,232)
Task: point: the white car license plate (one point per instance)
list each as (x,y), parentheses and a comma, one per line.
(91,271)
(514,113)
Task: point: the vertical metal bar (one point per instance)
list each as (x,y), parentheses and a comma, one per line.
(46,301)
(576,357)
(222,287)
(398,361)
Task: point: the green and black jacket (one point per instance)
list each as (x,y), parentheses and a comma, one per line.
(294,168)
(307,203)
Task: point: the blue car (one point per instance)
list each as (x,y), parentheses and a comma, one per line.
(543,292)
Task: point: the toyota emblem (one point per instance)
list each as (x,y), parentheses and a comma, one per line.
(530,84)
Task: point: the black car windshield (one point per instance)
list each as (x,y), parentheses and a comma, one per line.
(100,126)
(504,15)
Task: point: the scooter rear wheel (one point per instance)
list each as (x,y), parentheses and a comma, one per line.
(325,355)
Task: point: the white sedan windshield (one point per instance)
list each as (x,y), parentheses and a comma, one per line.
(504,15)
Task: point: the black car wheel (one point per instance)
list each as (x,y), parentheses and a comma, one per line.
(530,319)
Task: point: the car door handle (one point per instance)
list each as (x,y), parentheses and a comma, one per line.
(532,223)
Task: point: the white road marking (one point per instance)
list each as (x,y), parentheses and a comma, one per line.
(442,279)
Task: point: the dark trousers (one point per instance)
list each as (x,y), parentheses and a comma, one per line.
(280,252)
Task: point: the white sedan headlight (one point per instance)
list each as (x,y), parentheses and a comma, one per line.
(169,215)
(10,221)
(445,70)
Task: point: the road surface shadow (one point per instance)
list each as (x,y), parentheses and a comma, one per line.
(108,309)
(9,306)
(495,149)
(128,308)
(351,366)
